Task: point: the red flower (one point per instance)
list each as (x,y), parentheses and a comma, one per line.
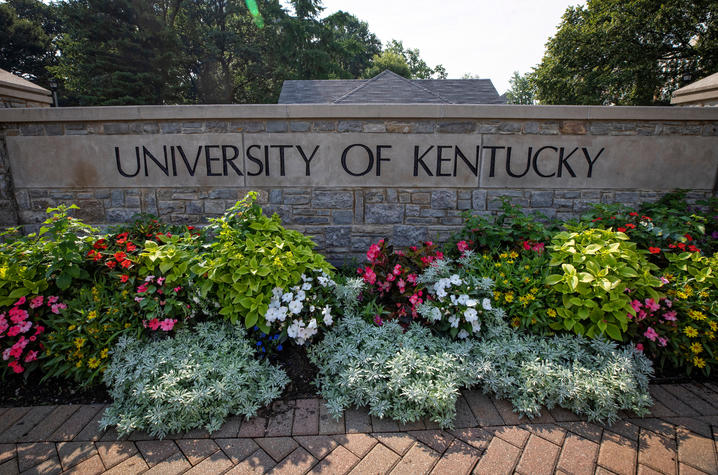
(621,230)
(131,247)
(681,246)
(120,256)
(100,244)
(688,237)
(631,225)
(632,213)
(111,264)
(596,219)
(190,228)
(693,248)
(646,218)
(124,277)
(654,250)
(126,263)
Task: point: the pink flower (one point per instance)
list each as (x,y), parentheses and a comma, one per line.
(378,321)
(384,286)
(57,307)
(24,326)
(636,305)
(139,299)
(162,303)
(14,331)
(429,243)
(664,280)
(373,252)
(462,246)
(39,329)
(390,278)
(167,324)
(160,281)
(36,302)
(177,289)
(18,315)
(668,303)
(16,367)
(6,354)
(20,301)
(652,305)
(154,324)
(16,351)
(402,285)
(670,316)
(31,356)
(369,276)
(149,278)
(411,278)
(415,299)
(662,341)
(397,270)
(641,315)
(52,299)
(538,247)
(651,334)
(639,347)
(142,288)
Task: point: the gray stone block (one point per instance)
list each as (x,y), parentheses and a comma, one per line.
(132,202)
(413,210)
(171,127)
(275,196)
(628,197)
(434,213)
(215,206)
(324,126)
(568,195)
(296,199)
(541,199)
(311,220)
(300,126)
(349,126)
(405,236)
(117,198)
(116,128)
(192,127)
(421,220)
(120,215)
(423,126)
(246,126)
(342,217)
(464,204)
(443,199)
(374,196)
(478,199)
(195,207)
(510,128)
(216,126)
(223,193)
(560,203)
(384,214)
(581,206)
(75,129)
(374,127)
(54,129)
(333,199)
(453,127)
(338,236)
(276,126)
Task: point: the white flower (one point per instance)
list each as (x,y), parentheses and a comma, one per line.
(306,286)
(486,303)
(463,334)
(476,326)
(471,302)
(301,295)
(277,292)
(462,299)
(323,280)
(455,279)
(454,320)
(440,292)
(326,312)
(311,308)
(435,314)
(287,297)
(295,306)
(312,323)
(281,313)
(470,315)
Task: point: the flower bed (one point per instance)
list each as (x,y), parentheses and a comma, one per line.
(583,308)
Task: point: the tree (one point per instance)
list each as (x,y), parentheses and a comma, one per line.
(388,60)
(350,44)
(522,90)
(417,67)
(27,30)
(628,52)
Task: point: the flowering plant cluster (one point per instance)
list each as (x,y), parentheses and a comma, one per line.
(300,311)
(391,278)
(21,330)
(456,301)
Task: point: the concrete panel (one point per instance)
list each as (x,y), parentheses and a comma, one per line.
(599,162)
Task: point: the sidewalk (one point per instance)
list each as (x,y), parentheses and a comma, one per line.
(680,435)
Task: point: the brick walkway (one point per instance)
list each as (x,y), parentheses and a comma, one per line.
(680,436)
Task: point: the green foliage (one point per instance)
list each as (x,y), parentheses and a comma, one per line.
(194,380)
(597,266)
(387,60)
(253,254)
(633,52)
(522,90)
(418,69)
(414,374)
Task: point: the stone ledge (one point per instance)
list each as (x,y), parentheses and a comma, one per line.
(354,111)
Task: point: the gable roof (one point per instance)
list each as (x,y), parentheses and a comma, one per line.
(389,88)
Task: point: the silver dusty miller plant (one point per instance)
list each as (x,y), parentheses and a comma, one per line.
(196,379)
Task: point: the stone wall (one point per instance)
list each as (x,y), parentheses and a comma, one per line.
(344,219)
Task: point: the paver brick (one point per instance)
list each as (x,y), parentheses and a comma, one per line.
(48,466)
(672,402)
(280,422)
(50,423)
(625,429)
(339,462)
(172,465)
(500,457)
(617,453)
(585,429)
(658,426)
(237,449)
(699,425)
(384,425)
(24,425)
(506,410)
(10,416)
(229,429)
(657,452)
(512,434)
(705,393)
(253,427)
(644,470)
(695,450)
(92,431)
(317,445)
(259,462)
(420,459)
(130,466)
(113,453)
(327,424)
(483,409)
(688,398)
(458,459)
(660,410)
(476,437)
(578,455)
(74,425)
(155,451)
(464,416)
(9,467)
(399,442)
(684,469)
(91,466)
(539,457)
(277,447)
(31,454)
(306,417)
(379,460)
(357,420)
(7,451)
(414,425)
(196,450)
(436,439)
(218,462)
(298,462)
(359,444)
(564,415)
(72,453)
(550,432)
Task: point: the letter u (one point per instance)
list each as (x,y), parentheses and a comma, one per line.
(119,165)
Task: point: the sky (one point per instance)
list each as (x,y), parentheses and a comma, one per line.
(491,39)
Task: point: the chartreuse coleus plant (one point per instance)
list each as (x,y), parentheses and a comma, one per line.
(601,272)
(251,255)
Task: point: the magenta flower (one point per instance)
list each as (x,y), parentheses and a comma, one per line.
(652,305)
(462,246)
(378,321)
(668,303)
(384,286)
(31,356)
(670,316)
(639,347)
(57,307)
(373,252)
(651,334)
(36,302)
(662,341)
(20,301)
(636,305)
(369,276)
(402,285)
(167,324)
(52,299)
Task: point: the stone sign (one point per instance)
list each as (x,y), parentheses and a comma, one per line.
(364,160)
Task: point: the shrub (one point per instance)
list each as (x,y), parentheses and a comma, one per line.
(599,268)
(21,331)
(252,255)
(194,380)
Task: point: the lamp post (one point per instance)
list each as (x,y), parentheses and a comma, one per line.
(53,88)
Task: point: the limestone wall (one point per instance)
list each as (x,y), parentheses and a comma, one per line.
(349,174)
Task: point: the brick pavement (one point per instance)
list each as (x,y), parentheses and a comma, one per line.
(679,436)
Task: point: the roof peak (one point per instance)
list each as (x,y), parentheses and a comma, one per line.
(388,76)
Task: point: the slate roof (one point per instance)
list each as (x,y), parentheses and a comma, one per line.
(390,88)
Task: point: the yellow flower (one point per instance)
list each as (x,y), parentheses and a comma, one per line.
(71,327)
(696,347)
(78,364)
(503,255)
(713,325)
(690,332)
(506,282)
(124,293)
(79,342)
(703,294)
(3,272)
(498,264)
(486,257)
(510,262)
(533,290)
(128,325)
(103,353)
(681,295)
(526,267)
(551,312)
(502,274)
(92,315)
(513,254)
(509,297)
(515,322)
(696,315)
(688,290)
(711,336)
(526,280)
(93,363)
(699,362)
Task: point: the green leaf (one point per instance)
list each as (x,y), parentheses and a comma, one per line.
(63,281)
(553,279)
(613,332)
(251,319)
